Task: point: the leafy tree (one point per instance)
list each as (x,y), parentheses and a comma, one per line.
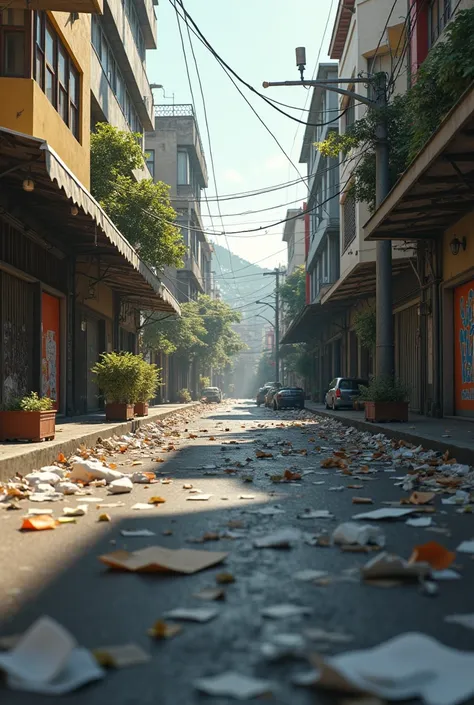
(141,210)
(204,331)
(293,293)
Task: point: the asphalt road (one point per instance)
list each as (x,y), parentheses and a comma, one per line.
(57,572)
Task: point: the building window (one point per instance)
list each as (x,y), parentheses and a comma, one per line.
(183,168)
(439,14)
(349,115)
(150,162)
(135,27)
(349,220)
(14,47)
(56,74)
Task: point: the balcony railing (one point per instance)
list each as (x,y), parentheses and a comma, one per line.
(179,110)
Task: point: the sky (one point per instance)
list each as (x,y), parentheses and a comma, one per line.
(257,38)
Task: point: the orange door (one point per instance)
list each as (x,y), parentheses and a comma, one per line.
(50,367)
(463,349)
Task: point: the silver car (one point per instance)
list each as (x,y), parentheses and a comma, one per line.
(342,392)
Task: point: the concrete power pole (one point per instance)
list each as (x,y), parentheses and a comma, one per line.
(385,357)
(276,273)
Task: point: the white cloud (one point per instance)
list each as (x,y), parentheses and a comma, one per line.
(233,176)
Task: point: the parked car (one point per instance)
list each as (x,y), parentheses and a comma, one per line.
(277,385)
(211,395)
(260,398)
(269,396)
(288,397)
(342,392)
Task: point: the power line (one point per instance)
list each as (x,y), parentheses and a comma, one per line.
(203,39)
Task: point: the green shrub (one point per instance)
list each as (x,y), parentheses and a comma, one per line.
(366,328)
(30,402)
(204,382)
(118,376)
(184,396)
(150,380)
(384,389)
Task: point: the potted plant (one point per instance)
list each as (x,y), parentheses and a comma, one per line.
(118,378)
(30,418)
(386,399)
(149,381)
(184,396)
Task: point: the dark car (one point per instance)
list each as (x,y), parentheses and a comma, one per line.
(260,398)
(342,392)
(288,397)
(211,395)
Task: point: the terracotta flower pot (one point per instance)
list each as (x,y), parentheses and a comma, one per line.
(116,411)
(385,411)
(141,408)
(27,425)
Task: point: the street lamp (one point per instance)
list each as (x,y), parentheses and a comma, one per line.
(385,359)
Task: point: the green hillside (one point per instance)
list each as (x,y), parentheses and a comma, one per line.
(248,281)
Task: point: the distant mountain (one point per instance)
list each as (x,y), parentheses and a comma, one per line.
(248,277)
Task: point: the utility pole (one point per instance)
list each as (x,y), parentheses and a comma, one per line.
(385,348)
(276,273)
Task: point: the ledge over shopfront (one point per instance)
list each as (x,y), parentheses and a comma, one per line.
(56,196)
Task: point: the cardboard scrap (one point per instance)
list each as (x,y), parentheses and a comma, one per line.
(120,656)
(233,685)
(421,497)
(407,666)
(387,565)
(157,559)
(38,523)
(164,630)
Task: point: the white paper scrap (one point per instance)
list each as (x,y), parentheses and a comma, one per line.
(446,574)
(142,505)
(419,522)
(233,685)
(38,512)
(410,665)
(78,511)
(282,538)
(41,653)
(306,576)
(199,497)
(81,668)
(466,547)
(267,511)
(316,514)
(195,614)
(388,513)
(135,533)
(356,534)
(285,610)
(465,620)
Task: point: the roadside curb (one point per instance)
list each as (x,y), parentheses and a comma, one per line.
(35,458)
(462,454)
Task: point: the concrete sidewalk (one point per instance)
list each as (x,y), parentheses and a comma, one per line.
(455,435)
(71,433)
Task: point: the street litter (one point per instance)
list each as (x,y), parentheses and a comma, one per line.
(362,500)
(156,500)
(247,496)
(447,574)
(141,505)
(407,666)
(87,470)
(317,634)
(164,630)
(283,646)
(224,578)
(66,520)
(308,575)
(210,594)
(32,512)
(285,611)
(135,533)
(282,538)
(120,656)
(464,620)
(143,478)
(78,511)
(38,523)
(267,511)
(199,497)
(350,533)
(193,614)
(316,514)
(466,547)
(433,553)
(389,513)
(420,522)
(120,486)
(156,559)
(104,517)
(386,565)
(233,685)
(47,660)
(338,488)
(460,497)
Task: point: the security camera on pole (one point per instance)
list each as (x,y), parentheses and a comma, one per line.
(385,350)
